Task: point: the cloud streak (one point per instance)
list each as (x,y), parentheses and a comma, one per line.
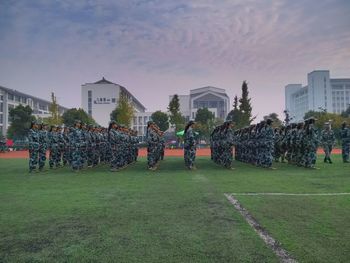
(221,41)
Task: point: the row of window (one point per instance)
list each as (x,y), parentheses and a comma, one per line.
(16,98)
(141,121)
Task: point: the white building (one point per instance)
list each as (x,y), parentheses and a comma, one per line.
(99,99)
(10,99)
(212,98)
(321,93)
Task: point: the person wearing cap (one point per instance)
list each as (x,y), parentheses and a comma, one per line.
(327,141)
(227,144)
(75,138)
(83,144)
(66,152)
(43,139)
(152,139)
(54,158)
(34,141)
(345,138)
(311,143)
(190,146)
(116,141)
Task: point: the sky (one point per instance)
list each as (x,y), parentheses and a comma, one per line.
(156,48)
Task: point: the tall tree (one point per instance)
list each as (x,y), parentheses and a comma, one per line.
(205,122)
(245,107)
(175,116)
(124,112)
(234,114)
(20,118)
(161,119)
(55,118)
(77,114)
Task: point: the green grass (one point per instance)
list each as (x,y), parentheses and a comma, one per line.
(171,215)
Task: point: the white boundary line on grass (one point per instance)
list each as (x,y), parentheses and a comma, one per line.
(292,194)
(276,247)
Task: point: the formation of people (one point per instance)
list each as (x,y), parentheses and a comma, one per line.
(81,146)
(86,146)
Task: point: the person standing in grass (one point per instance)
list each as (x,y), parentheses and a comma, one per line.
(190,146)
(43,139)
(345,138)
(328,141)
(34,139)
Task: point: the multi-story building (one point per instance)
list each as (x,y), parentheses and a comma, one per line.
(321,93)
(10,99)
(100,98)
(212,98)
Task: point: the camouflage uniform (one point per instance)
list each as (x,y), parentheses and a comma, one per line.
(328,141)
(34,139)
(190,148)
(54,157)
(345,137)
(75,138)
(116,142)
(152,147)
(43,144)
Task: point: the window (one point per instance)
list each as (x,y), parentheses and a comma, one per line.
(140,120)
(1,118)
(134,120)
(10,96)
(17,98)
(24,100)
(2,97)
(145,120)
(1,106)
(113,100)
(89,93)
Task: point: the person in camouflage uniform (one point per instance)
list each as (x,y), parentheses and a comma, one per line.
(116,139)
(66,152)
(311,143)
(54,156)
(83,144)
(34,141)
(43,145)
(228,141)
(345,138)
(268,144)
(327,141)
(189,146)
(75,138)
(91,146)
(152,146)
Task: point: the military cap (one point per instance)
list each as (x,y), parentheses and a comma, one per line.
(77,121)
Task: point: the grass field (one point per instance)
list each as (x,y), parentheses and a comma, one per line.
(171,215)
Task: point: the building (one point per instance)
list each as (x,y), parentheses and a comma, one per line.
(321,93)
(100,98)
(139,123)
(10,99)
(212,98)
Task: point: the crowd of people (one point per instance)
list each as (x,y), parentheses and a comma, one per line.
(81,146)
(259,144)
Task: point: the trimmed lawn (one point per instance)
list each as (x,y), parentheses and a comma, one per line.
(171,215)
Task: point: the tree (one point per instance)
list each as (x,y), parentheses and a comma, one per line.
(55,118)
(346,113)
(235,114)
(276,121)
(175,116)
(161,119)
(20,118)
(245,107)
(77,114)
(322,117)
(124,112)
(205,122)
